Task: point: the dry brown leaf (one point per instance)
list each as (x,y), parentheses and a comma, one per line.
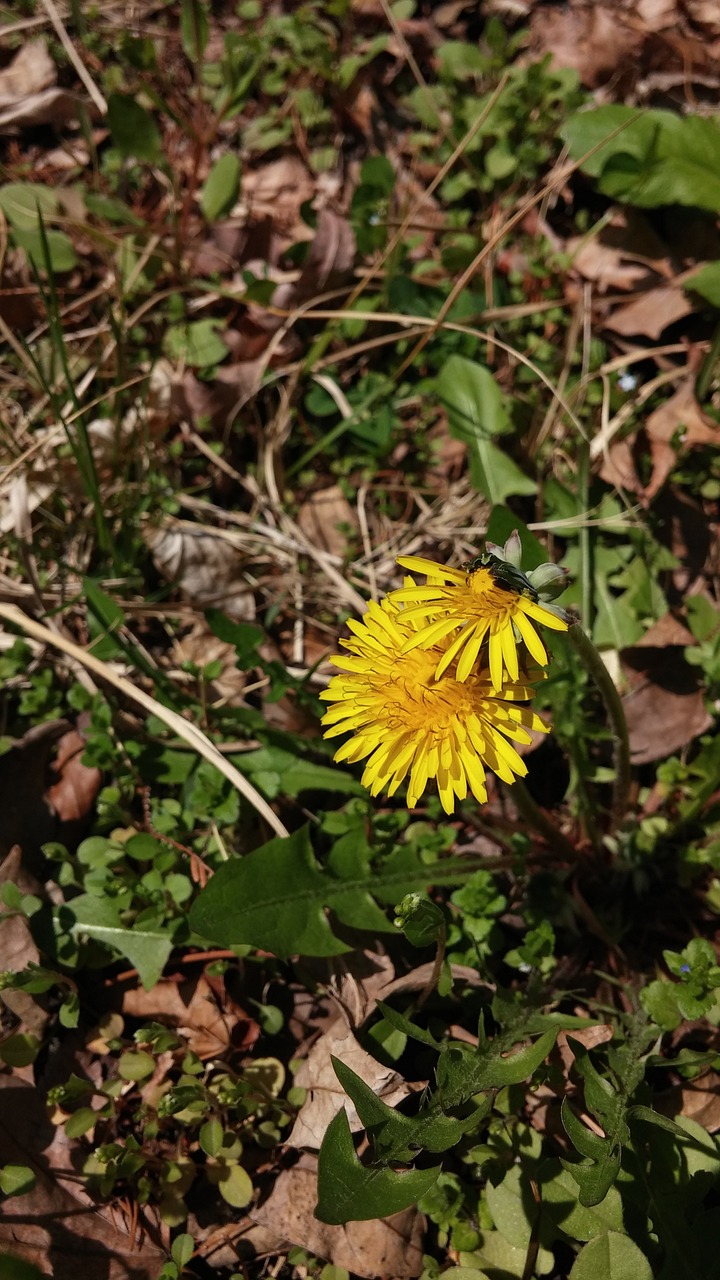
(595,41)
(200,647)
(321,516)
(329,261)
(200,1010)
(679,417)
(277,191)
(27,818)
(18,949)
(651,312)
(209,569)
(326,1096)
(698,1101)
(386,1247)
(665,708)
(73,795)
(604,264)
(31,70)
(705,13)
(56,1226)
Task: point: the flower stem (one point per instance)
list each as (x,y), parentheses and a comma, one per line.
(538,819)
(596,668)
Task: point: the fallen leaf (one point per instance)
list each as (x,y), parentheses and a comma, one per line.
(329,261)
(27,818)
(202,1012)
(57,1226)
(326,1096)
(73,795)
(698,1101)
(665,708)
(651,312)
(321,516)
(18,948)
(385,1247)
(604,264)
(209,568)
(201,647)
(596,41)
(277,191)
(679,418)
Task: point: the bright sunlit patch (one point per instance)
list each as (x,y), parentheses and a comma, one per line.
(409,724)
(461,609)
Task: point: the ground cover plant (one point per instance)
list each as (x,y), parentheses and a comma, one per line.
(359,640)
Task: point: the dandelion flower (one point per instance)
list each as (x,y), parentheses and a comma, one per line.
(486,601)
(408,724)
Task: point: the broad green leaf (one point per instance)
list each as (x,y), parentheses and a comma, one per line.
(657,158)
(562,1205)
(19,1050)
(81,1121)
(275,898)
(147,950)
(221,187)
(134,131)
(233,1183)
(477,412)
(279,772)
(706,282)
(183,1248)
(397,1137)
(24,202)
(349,1191)
(198,343)
(14,1268)
(16,1180)
(611,1257)
(504,1261)
(52,252)
(513,1207)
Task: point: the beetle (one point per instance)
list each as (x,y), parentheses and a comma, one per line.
(504,574)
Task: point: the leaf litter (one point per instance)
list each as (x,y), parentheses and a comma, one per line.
(287,238)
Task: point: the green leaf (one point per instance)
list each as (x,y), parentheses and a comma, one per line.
(611,1257)
(147,949)
(194,29)
(463,1072)
(134,131)
(351,1192)
(81,1121)
(397,1137)
(24,203)
(658,157)
(275,898)
(706,282)
(54,252)
(221,188)
(19,1050)
(197,343)
(477,411)
(16,1179)
(561,1204)
(183,1248)
(14,1268)
(233,1183)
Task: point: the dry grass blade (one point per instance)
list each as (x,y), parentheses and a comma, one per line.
(183,728)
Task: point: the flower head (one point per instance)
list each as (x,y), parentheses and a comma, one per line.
(490,600)
(409,724)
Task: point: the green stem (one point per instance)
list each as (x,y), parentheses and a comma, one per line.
(596,668)
(538,819)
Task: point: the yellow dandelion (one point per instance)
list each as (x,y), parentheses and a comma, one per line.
(411,725)
(478,605)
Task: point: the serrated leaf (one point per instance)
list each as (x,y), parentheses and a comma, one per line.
(463,1072)
(477,411)
(275,898)
(397,1137)
(349,1191)
(221,188)
(611,1257)
(148,950)
(596,1174)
